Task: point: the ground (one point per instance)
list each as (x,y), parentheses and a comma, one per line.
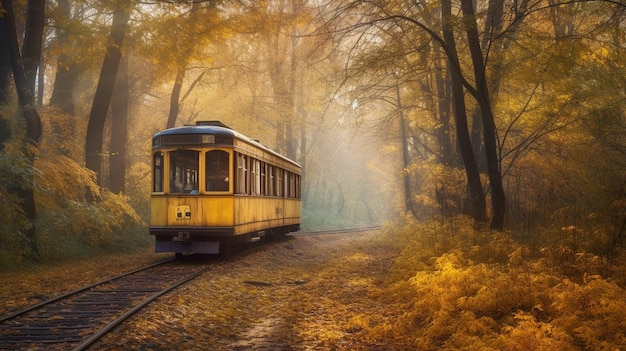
(307,292)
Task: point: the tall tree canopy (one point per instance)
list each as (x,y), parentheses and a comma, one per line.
(505,111)
(481,46)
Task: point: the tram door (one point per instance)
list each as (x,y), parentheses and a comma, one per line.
(217,170)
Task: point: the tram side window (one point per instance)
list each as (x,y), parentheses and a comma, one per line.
(157,185)
(255,167)
(242,174)
(263,178)
(184,171)
(271,191)
(292,185)
(280,183)
(298,187)
(217,178)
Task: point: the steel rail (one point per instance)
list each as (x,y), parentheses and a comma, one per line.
(337,231)
(85,343)
(79,290)
(121,306)
(89,341)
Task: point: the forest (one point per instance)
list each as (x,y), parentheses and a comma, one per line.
(490,134)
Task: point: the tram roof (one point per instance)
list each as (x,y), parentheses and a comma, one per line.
(223,135)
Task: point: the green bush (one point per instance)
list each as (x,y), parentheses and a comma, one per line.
(14,171)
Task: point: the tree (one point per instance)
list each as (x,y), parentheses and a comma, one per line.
(5,64)
(24,94)
(409,21)
(182,56)
(481,93)
(179,43)
(5,69)
(104,90)
(31,49)
(63,90)
(119,130)
(408,198)
(460,116)
(29,115)
(277,28)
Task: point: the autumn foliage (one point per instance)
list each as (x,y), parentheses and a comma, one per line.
(389,289)
(68,224)
(331,84)
(486,291)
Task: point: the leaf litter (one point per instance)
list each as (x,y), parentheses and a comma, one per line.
(301,293)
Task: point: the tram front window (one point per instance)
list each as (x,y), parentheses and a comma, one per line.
(217,178)
(184,166)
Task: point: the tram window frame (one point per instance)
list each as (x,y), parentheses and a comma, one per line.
(280,185)
(270,180)
(255,166)
(253,177)
(292,185)
(184,171)
(158,174)
(298,186)
(263,190)
(243,177)
(217,171)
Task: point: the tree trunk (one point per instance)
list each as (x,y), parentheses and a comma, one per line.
(292,146)
(475,189)
(493,24)
(30,117)
(489,128)
(185,52)
(63,91)
(447,155)
(119,131)
(5,70)
(174,98)
(24,95)
(303,152)
(282,74)
(406,162)
(104,91)
(31,49)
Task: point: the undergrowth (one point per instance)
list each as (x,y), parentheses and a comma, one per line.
(459,287)
(75,217)
(14,223)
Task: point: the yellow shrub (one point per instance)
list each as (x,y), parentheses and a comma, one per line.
(487,293)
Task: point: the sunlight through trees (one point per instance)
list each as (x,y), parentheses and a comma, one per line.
(509,113)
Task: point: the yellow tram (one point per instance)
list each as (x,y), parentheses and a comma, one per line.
(212,185)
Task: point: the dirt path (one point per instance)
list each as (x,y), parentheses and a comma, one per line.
(303,293)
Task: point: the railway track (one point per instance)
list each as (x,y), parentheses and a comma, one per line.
(338,231)
(75,320)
